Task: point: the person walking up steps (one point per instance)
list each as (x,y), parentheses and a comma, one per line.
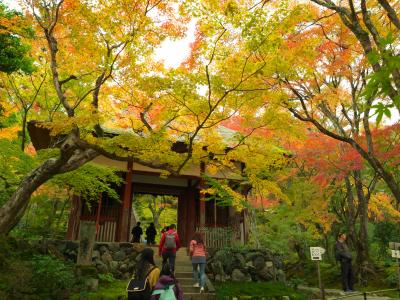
(169,244)
(167,287)
(144,278)
(136,232)
(198,254)
(151,234)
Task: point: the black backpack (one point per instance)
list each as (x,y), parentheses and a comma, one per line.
(139,289)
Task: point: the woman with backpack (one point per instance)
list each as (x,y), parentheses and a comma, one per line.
(197,252)
(169,245)
(144,278)
(167,287)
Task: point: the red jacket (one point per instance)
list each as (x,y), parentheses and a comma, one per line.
(177,241)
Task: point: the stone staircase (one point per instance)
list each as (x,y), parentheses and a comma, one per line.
(184,274)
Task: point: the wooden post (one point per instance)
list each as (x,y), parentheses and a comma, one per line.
(190,214)
(202,210)
(98,214)
(321,288)
(123,228)
(74,218)
(215,213)
(398,273)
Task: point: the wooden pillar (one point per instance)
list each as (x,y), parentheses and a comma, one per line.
(182,218)
(202,210)
(98,215)
(74,218)
(215,213)
(190,217)
(124,215)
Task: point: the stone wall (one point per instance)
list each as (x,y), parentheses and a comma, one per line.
(118,259)
(245,265)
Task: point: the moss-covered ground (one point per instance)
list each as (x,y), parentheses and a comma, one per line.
(256,290)
(107,291)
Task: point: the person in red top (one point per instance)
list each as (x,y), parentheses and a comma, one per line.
(169,244)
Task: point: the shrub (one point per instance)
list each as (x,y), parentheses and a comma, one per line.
(50,275)
(107,278)
(391,276)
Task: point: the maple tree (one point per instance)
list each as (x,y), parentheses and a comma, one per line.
(345,186)
(79,65)
(102,77)
(330,89)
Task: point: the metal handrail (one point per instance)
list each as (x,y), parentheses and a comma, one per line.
(366,293)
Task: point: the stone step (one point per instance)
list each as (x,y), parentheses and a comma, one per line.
(185,280)
(190,289)
(179,274)
(177,264)
(179,268)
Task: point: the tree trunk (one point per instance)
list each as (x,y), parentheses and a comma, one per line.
(350,216)
(23,142)
(70,159)
(12,211)
(362,247)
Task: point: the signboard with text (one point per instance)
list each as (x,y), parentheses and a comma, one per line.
(316,253)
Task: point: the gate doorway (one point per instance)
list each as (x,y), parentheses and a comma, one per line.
(162,210)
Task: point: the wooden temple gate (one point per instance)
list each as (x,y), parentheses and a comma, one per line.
(220,224)
(113,218)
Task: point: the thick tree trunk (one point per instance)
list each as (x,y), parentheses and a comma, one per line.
(351,214)
(362,246)
(70,159)
(363,249)
(13,210)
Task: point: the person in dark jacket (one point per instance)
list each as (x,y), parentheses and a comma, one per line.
(136,233)
(167,279)
(151,233)
(343,255)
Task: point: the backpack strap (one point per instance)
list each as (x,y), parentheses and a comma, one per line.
(148,273)
(151,270)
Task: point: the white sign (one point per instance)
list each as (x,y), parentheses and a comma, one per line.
(316,253)
(396,253)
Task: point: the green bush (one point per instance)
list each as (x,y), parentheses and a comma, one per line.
(385,232)
(391,276)
(107,278)
(51,275)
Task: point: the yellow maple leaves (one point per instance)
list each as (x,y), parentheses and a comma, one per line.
(9,133)
(381,208)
